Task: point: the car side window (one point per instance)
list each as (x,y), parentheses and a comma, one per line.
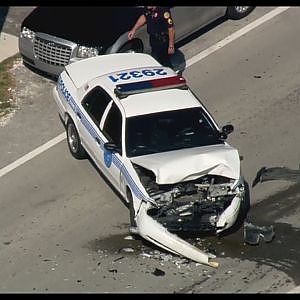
(95,103)
(112,128)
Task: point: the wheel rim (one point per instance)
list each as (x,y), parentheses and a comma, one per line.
(130,51)
(72,138)
(241,9)
(132,47)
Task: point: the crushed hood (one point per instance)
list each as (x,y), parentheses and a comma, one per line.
(189,164)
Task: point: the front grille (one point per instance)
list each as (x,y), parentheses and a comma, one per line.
(51,52)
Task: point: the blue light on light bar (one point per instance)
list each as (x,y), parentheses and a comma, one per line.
(123,90)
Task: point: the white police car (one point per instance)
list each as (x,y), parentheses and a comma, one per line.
(156,143)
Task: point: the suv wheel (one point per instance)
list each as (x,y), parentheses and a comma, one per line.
(135,46)
(238,12)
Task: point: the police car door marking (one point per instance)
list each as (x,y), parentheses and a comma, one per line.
(118,163)
(137,74)
(107,157)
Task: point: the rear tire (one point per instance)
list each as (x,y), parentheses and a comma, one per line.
(74,142)
(238,12)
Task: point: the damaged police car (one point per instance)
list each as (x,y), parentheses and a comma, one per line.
(156,143)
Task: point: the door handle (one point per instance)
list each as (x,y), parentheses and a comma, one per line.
(97,140)
(78,115)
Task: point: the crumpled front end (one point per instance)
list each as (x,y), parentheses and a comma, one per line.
(204,196)
(210,203)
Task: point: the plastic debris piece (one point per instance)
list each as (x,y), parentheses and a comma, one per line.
(127,250)
(119,258)
(128,237)
(146,254)
(158,272)
(253,233)
(113,270)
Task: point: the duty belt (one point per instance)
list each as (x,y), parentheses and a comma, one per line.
(161,36)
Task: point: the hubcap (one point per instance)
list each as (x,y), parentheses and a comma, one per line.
(72,138)
(130,51)
(241,9)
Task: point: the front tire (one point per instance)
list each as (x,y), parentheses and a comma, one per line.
(238,12)
(244,208)
(74,142)
(131,208)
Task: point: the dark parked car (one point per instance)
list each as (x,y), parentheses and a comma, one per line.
(52,37)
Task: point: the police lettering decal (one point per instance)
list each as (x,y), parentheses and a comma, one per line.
(107,157)
(137,74)
(63,89)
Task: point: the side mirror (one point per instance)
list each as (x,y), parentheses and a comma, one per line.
(112,147)
(227,129)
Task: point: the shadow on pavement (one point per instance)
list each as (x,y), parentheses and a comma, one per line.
(178,59)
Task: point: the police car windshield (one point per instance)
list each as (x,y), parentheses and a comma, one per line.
(168,131)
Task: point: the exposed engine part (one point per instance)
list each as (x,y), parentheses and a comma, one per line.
(192,205)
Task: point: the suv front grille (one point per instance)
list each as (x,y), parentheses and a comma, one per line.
(51,52)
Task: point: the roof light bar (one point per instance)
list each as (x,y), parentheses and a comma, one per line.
(124,90)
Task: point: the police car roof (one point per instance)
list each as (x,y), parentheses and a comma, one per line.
(106,70)
(87,69)
(158,101)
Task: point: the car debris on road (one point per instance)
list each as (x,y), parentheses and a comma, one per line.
(276,173)
(253,233)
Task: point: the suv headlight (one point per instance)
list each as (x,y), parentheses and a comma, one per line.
(85,52)
(27,33)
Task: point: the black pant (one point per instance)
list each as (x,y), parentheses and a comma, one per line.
(159,43)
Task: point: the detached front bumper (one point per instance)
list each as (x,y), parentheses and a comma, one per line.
(155,233)
(162,233)
(164,237)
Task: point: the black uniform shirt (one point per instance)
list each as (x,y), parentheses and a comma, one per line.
(158,20)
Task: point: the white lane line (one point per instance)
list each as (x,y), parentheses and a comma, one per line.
(273,13)
(189,62)
(295,290)
(32,154)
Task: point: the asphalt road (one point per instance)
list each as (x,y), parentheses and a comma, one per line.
(63,229)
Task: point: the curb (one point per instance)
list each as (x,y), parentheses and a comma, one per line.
(9,45)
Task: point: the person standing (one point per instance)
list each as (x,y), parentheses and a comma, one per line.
(161,32)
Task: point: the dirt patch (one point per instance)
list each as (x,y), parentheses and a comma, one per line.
(8,99)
